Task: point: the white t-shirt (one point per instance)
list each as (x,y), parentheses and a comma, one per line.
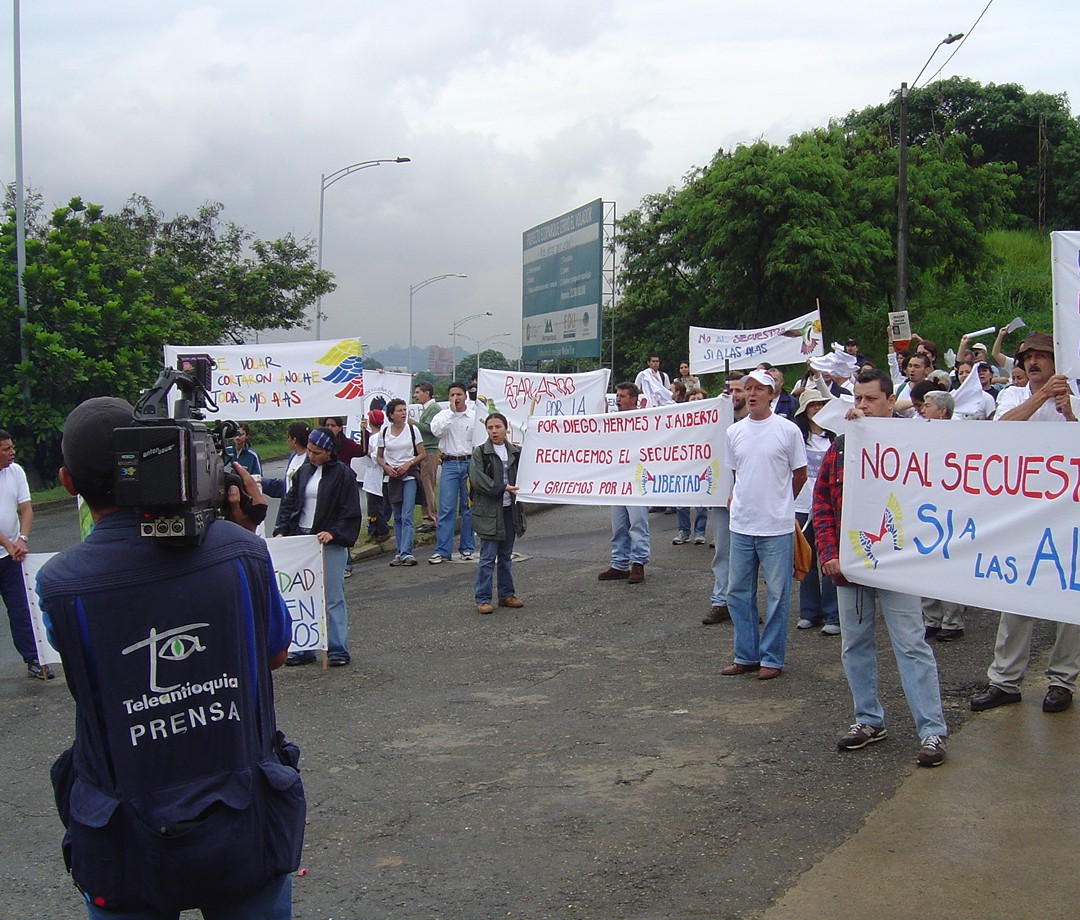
(763,455)
(504,455)
(309,499)
(816,445)
(398,449)
(14,491)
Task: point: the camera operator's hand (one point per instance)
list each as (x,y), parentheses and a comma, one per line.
(235,513)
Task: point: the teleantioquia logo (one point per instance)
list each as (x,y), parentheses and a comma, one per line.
(348,368)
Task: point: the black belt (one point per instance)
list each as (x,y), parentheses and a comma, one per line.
(449,457)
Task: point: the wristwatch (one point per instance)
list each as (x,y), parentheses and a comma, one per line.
(24,538)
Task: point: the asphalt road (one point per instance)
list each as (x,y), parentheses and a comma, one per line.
(580,757)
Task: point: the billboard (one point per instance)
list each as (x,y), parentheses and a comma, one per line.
(562,282)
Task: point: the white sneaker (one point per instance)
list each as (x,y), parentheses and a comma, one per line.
(680,539)
(830,629)
(435,559)
(699,541)
(804,624)
(466,557)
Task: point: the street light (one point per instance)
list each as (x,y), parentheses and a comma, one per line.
(325,181)
(901,189)
(482,342)
(412,290)
(457,325)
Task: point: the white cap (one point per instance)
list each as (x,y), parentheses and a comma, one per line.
(763,377)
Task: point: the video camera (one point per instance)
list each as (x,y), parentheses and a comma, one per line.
(169,469)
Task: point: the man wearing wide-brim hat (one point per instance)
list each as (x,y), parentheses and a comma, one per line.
(1048,397)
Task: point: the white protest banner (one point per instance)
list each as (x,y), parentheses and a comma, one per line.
(384,385)
(288,380)
(298,567)
(1065,274)
(30,567)
(667,455)
(981,513)
(785,343)
(523,396)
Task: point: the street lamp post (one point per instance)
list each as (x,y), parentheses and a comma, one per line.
(479,344)
(901,186)
(325,181)
(457,325)
(412,290)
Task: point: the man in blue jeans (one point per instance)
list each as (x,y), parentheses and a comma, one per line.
(454,429)
(902,613)
(767,456)
(16,518)
(629,523)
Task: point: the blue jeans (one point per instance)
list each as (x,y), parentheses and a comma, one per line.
(13,590)
(274,902)
(682,520)
(817,593)
(775,556)
(495,559)
(914,659)
(629,536)
(403,518)
(337,617)
(454,497)
(721,562)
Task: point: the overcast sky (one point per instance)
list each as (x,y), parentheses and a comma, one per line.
(512,113)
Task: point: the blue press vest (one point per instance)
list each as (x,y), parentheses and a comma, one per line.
(178,791)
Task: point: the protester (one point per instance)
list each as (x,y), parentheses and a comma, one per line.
(817,593)
(296,436)
(688,380)
(16,519)
(454,429)
(197,802)
(498,517)
(323,500)
(346,449)
(243,453)
(783,403)
(653,384)
(721,561)
(1047,397)
(629,523)
(766,454)
(401,451)
(902,613)
(424,396)
(371,479)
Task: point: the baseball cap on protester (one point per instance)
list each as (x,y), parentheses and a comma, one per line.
(375,417)
(762,377)
(87,444)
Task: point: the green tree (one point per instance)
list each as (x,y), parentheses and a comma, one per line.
(489,360)
(1000,123)
(766,232)
(106,292)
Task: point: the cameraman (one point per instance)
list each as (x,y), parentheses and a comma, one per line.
(179,792)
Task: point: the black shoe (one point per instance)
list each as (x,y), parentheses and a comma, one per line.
(931,631)
(716,615)
(992,698)
(299,658)
(38,671)
(1057,699)
(948,635)
(338,662)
